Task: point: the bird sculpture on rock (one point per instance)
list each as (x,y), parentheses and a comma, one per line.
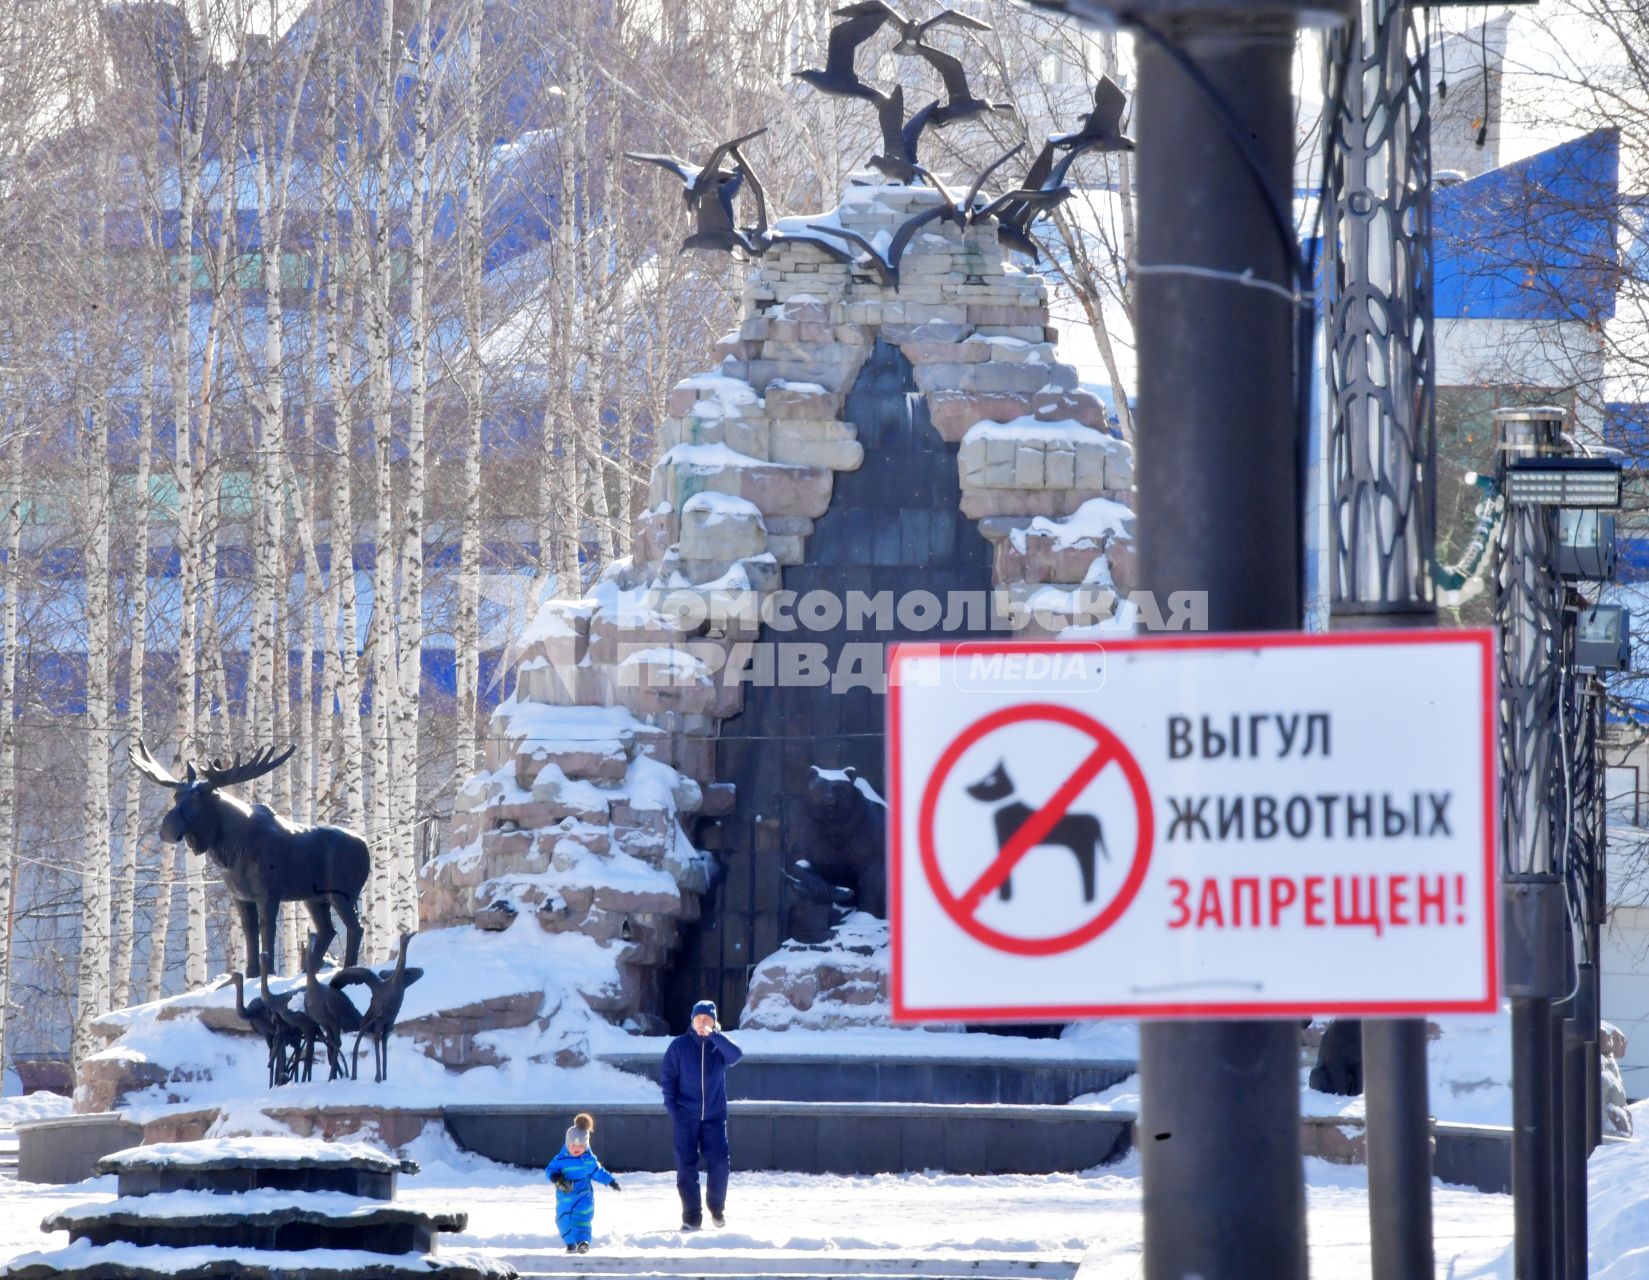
(298,1031)
(886,263)
(709,191)
(384,1007)
(333,1014)
(257,1015)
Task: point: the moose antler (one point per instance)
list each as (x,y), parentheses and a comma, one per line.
(218,774)
(149,767)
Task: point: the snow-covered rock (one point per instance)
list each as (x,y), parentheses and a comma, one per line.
(840,982)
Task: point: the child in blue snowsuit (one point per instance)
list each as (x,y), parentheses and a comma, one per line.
(575,1171)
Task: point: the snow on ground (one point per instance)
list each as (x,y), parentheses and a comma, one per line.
(1051,1218)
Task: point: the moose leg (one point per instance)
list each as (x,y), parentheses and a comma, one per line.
(344,905)
(269,919)
(248,914)
(324,932)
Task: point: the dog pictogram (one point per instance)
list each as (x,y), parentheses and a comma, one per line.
(1081,833)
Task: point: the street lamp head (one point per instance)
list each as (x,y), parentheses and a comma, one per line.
(1114,14)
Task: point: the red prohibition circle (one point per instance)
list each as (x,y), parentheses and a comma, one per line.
(1116,753)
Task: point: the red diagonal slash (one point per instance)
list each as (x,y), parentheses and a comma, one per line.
(1032,830)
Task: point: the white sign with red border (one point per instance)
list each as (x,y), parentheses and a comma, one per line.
(1215,825)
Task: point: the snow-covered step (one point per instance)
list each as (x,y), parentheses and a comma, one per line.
(85,1261)
(260,1219)
(962,1079)
(815,1137)
(698,1265)
(242,1164)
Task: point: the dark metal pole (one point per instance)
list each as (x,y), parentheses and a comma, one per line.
(1382,466)
(1574,1151)
(1219,490)
(1532,1154)
(1528,609)
(1597,910)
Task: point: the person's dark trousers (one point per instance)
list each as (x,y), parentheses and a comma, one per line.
(693,1138)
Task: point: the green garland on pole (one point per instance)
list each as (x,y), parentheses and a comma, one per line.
(1464,579)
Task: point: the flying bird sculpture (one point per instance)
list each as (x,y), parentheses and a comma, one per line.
(1102,130)
(960,101)
(840,74)
(911,31)
(898,160)
(709,191)
(1044,186)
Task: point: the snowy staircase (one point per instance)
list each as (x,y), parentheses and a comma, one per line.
(8,1159)
(252,1209)
(791,1266)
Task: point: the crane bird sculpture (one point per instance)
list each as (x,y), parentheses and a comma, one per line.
(265,859)
(384,1005)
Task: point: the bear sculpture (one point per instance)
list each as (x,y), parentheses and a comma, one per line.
(846,848)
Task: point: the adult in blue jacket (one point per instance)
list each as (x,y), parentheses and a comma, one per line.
(694,1078)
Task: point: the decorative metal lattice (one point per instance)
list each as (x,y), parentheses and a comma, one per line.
(1529,614)
(1378,276)
(1581,843)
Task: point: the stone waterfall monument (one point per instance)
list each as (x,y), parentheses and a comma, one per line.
(900,449)
(888,448)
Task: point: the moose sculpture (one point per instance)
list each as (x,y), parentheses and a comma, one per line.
(266,860)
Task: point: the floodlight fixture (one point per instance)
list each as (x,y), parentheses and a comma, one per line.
(1564,481)
(1585,544)
(1603,638)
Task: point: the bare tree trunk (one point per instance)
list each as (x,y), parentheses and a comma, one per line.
(467,637)
(189,482)
(125,904)
(343,265)
(409,657)
(92,992)
(212,678)
(382,833)
(8,712)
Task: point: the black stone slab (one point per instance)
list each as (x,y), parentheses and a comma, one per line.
(824,1078)
(815,1137)
(353,1182)
(798,1265)
(67,1148)
(145,1171)
(383,1228)
(1470,1155)
(77,1262)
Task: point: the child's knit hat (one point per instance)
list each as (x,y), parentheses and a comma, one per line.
(582,1127)
(705,1006)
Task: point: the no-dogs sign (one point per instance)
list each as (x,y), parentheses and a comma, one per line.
(1254,825)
